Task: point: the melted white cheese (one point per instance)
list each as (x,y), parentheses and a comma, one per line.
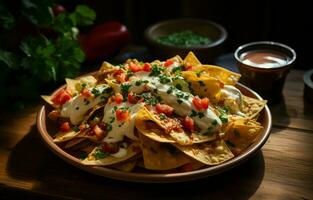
(119,129)
(76,108)
(122,152)
(232,98)
(182,106)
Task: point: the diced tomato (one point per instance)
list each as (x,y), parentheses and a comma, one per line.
(65,127)
(188,68)
(121,115)
(118,98)
(146,67)
(134,68)
(61,97)
(131,98)
(82,127)
(54,115)
(205,103)
(189,123)
(98,132)
(187,167)
(86,93)
(163,108)
(201,104)
(197,103)
(168,63)
(119,76)
(110,148)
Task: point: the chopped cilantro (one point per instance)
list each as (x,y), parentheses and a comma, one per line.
(178,86)
(83,156)
(99,154)
(177,69)
(179,101)
(125,87)
(95,92)
(214,122)
(112,119)
(224,118)
(198,73)
(156,70)
(162,116)
(84,85)
(75,128)
(138,83)
(164,79)
(149,99)
(170,90)
(200,114)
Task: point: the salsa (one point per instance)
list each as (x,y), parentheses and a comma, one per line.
(184,39)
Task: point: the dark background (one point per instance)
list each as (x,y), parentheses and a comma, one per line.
(288,22)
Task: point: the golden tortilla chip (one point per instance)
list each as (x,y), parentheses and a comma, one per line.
(161,156)
(127,166)
(73,142)
(210,153)
(62,136)
(99,158)
(191,60)
(204,86)
(47,99)
(148,126)
(241,133)
(252,107)
(225,76)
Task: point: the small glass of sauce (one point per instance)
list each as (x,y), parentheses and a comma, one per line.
(264,66)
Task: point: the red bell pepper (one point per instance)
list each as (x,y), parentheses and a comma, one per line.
(104,40)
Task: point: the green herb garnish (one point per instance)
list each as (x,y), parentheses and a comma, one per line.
(184,38)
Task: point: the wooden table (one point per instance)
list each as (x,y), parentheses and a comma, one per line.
(282,170)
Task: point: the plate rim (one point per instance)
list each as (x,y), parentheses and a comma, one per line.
(155,177)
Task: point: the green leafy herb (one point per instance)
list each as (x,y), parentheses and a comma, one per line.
(224,118)
(156,70)
(177,69)
(164,79)
(95,92)
(75,128)
(99,154)
(184,38)
(163,116)
(214,122)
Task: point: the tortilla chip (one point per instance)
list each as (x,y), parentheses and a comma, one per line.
(212,153)
(225,76)
(127,166)
(191,60)
(73,142)
(47,99)
(149,125)
(74,86)
(161,156)
(62,136)
(204,86)
(132,150)
(252,107)
(241,133)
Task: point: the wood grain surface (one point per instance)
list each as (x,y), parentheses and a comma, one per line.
(283,169)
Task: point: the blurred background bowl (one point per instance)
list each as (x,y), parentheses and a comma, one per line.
(206,53)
